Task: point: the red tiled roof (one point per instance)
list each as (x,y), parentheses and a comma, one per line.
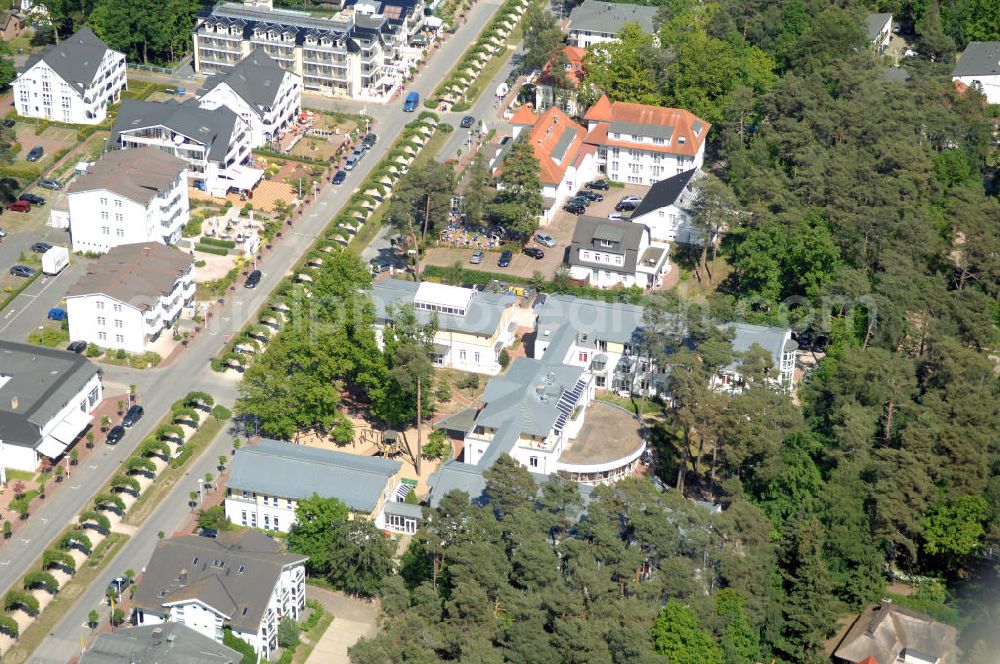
(574,55)
(682,122)
(546,135)
(524,116)
(600,111)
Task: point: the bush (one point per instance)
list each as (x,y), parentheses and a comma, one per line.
(55,558)
(288,632)
(192,228)
(42,580)
(199,263)
(504,358)
(216,242)
(9,626)
(15,599)
(206,249)
(120,354)
(220,412)
(93,350)
(436,445)
(230,640)
(446,128)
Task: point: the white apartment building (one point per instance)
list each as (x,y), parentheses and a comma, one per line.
(130,295)
(240,579)
(595,22)
(128,197)
(642,144)
(46,398)
(214,143)
(264,95)
(666,209)
(609,253)
(473,327)
(979,68)
(72,81)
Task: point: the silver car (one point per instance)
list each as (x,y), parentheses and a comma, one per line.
(477,257)
(545,240)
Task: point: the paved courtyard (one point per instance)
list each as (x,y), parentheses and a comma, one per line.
(352,619)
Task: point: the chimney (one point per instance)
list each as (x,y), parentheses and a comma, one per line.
(145,251)
(14,402)
(183,577)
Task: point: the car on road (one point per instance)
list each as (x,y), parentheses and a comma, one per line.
(545,240)
(77,347)
(119,583)
(55,313)
(133,415)
(369,140)
(467,122)
(599,184)
(252,279)
(353,159)
(34,199)
(534,252)
(49,183)
(117,433)
(573,208)
(19,206)
(339,177)
(477,257)
(505,257)
(411,102)
(592,195)
(40,247)
(36,153)
(22,271)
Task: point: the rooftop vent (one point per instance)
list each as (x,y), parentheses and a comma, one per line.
(13,402)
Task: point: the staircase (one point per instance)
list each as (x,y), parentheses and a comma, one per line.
(567,402)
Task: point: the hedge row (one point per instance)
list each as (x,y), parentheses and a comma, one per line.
(214,241)
(204,248)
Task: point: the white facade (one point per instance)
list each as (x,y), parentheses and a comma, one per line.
(978,67)
(42,91)
(629,261)
(667,213)
(100,219)
(639,164)
(988,85)
(264,123)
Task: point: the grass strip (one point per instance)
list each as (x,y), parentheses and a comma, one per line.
(305,649)
(17,291)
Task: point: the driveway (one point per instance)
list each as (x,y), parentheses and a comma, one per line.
(352,619)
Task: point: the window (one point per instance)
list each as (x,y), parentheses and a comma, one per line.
(118,202)
(118,216)
(117,307)
(634,168)
(105,230)
(104,202)
(475,357)
(104,215)
(533,461)
(120,232)
(244,493)
(267,521)
(461,355)
(253,520)
(607,243)
(276,523)
(118,323)
(265,500)
(101,320)
(102,335)
(100,304)
(244,519)
(119,339)
(65,102)
(583,357)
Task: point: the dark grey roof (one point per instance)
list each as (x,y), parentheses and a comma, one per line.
(404,509)
(641,129)
(597,16)
(482,316)
(664,193)
(457,476)
(76,59)
(168,643)
(43,380)
(565,140)
(211,128)
(979,59)
(626,235)
(138,174)
(874,24)
(277,468)
(884,631)
(256,79)
(208,569)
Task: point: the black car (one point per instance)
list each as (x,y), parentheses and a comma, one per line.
(40,247)
(369,140)
(505,258)
(36,153)
(49,183)
(467,122)
(599,184)
(133,415)
(8,123)
(22,271)
(34,199)
(573,208)
(592,195)
(626,206)
(116,434)
(252,279)
(77,347)
(339,177)
(534,252)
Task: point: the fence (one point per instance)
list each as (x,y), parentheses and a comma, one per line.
(138,66)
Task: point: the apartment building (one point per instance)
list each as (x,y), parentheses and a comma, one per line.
(46,398)
(473,327)
(642,144)
(666,209)
(978,67)
(128,197)
(170,643)
(361,52)
(608,253)
(241,579)
(596,22)
(72,81)
(130,295)
(266,96)
(214,143)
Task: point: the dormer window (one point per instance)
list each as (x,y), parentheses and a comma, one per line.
(607,243)
(682,140)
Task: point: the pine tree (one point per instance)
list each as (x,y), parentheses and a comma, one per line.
(808,608)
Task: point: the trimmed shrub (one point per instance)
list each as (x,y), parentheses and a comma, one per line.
(53,558)
(9,626)
(97,520)
(42,580)
(16,599)
(216,242)
(205,249)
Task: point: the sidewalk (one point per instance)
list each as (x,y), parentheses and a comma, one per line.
(352,619)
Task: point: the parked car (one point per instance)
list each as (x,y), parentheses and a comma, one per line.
(19,206)
(49,183)
(77,346)
(616,215)
(8,123)
(545,240)
(581,200)
(505,258)
(133,415)
(573,208)
(353,160)
(625,206)
(467,122)
(631,199)
(477,257)
(339,177)
(117,433)
(36,153)
(592,195)
(411,102)
(34,199)
(3,233)
(22,271)
(40,247)
(599,184)
(119,583)
(534,252)
(252,279)
(369,140)
(55,313)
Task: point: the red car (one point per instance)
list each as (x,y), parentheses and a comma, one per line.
(19,206)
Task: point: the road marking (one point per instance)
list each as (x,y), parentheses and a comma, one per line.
(26,541)
(75,487)
(44,521)
(47,284)
(5,563)
(92,466)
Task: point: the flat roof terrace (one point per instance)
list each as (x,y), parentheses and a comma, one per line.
(610,437)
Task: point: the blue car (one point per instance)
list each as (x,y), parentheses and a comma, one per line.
(339,177)
(55,313)
(411,102)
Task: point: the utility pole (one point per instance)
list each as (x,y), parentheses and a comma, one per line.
(416,461)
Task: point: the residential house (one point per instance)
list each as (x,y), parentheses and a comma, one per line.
(608,252)
(559,81)
(888,633)
(130,295)
(878,28)
(473,327)
(666,209)
(979,68)
(566,163)
(72,81)
(596,22)
(262,93)
(169,643)
(46,398)
(128,197)
(643,144)
(214,143)
(11,25)
(240,579)
(268,480)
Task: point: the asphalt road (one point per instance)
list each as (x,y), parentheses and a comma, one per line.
(159,388)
